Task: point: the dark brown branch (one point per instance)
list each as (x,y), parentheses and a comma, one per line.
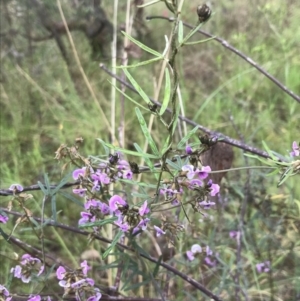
(186,278)
(225,44)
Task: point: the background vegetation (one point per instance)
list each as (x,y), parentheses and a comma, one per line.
(45,102)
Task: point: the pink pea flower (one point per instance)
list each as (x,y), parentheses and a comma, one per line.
(16,186)
(295,150)
(263,267)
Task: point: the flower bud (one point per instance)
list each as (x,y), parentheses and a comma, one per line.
(203,12)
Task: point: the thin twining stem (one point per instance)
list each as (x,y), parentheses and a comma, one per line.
(186,278)
(225,44)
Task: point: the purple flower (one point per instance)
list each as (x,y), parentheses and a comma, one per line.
(78,173)
(214,188)
(16,187)
(60,272)
(80,191)
(190,255)
(208,251)
(85,267)
(18,274)
(159,231)
(123,164)
(195,183)
(122,225)
(234,234)
(188,150)
(144,209)
(295,150)
(196,248)
(86,217)
(143,223)
(207,204)
(96,297)
(5,293)
(203,173)
(210,262)
(26,258)
(104,208)
(263,267)
(34,298)
(189,169)
(115,201)
(3,219)
(91,203)
(84,281)
(127,174)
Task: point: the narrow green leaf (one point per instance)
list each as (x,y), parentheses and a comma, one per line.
(47,182)
(201,41)
(148,3)
(53,207)
(41,185)
(183,141)
(70,197)
(141,45)
(136,86)
(180,32)
(64,180)
(146,131)
(129,152)
(143,63)
(173,164)
(113,243)
(285,175)
(166,145)
(269,151)
(129,98)
(167,93)
(99,223)
(175,119)
(141,184)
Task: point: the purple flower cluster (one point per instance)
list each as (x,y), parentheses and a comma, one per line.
(77,282)
(29,266)
(94,210)
(105,174)
(129,218)
(263,267)
(196,249)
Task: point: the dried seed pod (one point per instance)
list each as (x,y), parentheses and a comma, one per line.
(203,12)
(219,157)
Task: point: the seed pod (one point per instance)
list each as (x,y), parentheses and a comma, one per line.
(203,12)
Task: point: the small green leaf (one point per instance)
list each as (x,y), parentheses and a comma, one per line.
(143,63)
(136,86)
(180,32)
(64,180)
(167,93)
(201,41)
(285,175)
(167,144)
(113,243)
(129,98)
(99,223)
(53,206)
(146,132)
(175,119)
(41,185)
(125,151)
(141,45)
(183,141)
(70,197)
